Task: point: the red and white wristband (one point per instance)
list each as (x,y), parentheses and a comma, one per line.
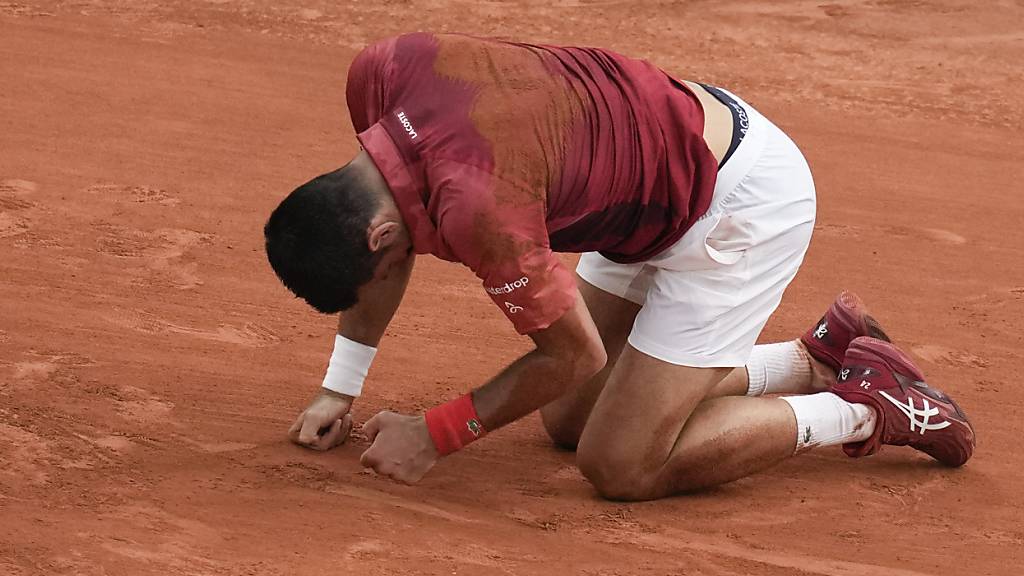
(454,424)
(350,363)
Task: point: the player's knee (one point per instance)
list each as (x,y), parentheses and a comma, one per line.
(613,476)
(620,487)
(560,428)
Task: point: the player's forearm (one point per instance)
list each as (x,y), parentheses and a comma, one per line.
(378,300)
(568,353)
(527,384)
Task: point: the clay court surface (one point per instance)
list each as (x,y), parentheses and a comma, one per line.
(150,363)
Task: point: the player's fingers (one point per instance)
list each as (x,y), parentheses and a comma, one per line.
(345,430)
(336,435)
(372,426)
(406,477)
(293,432)
(326,436)
(307,435)
(386,470)
(368,459)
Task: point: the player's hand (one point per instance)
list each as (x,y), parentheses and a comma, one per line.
(325,424)
(400,449)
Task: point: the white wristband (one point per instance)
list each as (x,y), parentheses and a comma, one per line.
(349,365)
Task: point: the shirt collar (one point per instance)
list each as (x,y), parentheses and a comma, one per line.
(407,184)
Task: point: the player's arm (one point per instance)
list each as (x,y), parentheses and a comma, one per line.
(508,249)
(326,422)
(378,300)
(498,229)
(568,353)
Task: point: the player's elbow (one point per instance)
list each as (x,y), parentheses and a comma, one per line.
(575,344)
(589,360)
(598,358)
(578,363)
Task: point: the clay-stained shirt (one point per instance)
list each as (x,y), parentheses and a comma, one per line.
(499,154)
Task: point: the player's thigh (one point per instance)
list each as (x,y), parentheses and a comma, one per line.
(612,305)
(699,321)
(613,314)
(637,420)
(695,327)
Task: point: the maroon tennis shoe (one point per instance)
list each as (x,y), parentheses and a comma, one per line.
(846,319)
(910,413)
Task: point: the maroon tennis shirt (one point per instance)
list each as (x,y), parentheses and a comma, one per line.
(499,154)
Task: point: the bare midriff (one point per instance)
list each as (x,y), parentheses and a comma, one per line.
(717,121)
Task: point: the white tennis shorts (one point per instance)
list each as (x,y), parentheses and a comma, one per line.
(707,297)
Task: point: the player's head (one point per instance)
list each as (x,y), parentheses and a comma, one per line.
(333,234)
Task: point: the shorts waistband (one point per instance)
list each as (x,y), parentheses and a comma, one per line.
(740,120)
(745,150)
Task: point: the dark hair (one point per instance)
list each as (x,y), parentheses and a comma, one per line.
(316,239)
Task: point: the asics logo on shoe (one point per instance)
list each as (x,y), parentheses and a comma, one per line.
(822,330)
(912,413)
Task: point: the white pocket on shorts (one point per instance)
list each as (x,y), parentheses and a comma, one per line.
(712,242)
(727,241)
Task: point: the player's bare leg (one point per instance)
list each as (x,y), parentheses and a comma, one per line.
(776,368)
(699,433)
(670,438)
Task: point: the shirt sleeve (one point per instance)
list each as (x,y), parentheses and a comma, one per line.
(505,243)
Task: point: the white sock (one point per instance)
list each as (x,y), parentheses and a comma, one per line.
(825,419)
(776,368)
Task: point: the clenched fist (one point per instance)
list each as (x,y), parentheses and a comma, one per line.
(401,447)
(325,424)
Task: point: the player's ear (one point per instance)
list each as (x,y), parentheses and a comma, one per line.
(381,235)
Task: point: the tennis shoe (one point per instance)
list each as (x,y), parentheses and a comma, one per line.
(910,412)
